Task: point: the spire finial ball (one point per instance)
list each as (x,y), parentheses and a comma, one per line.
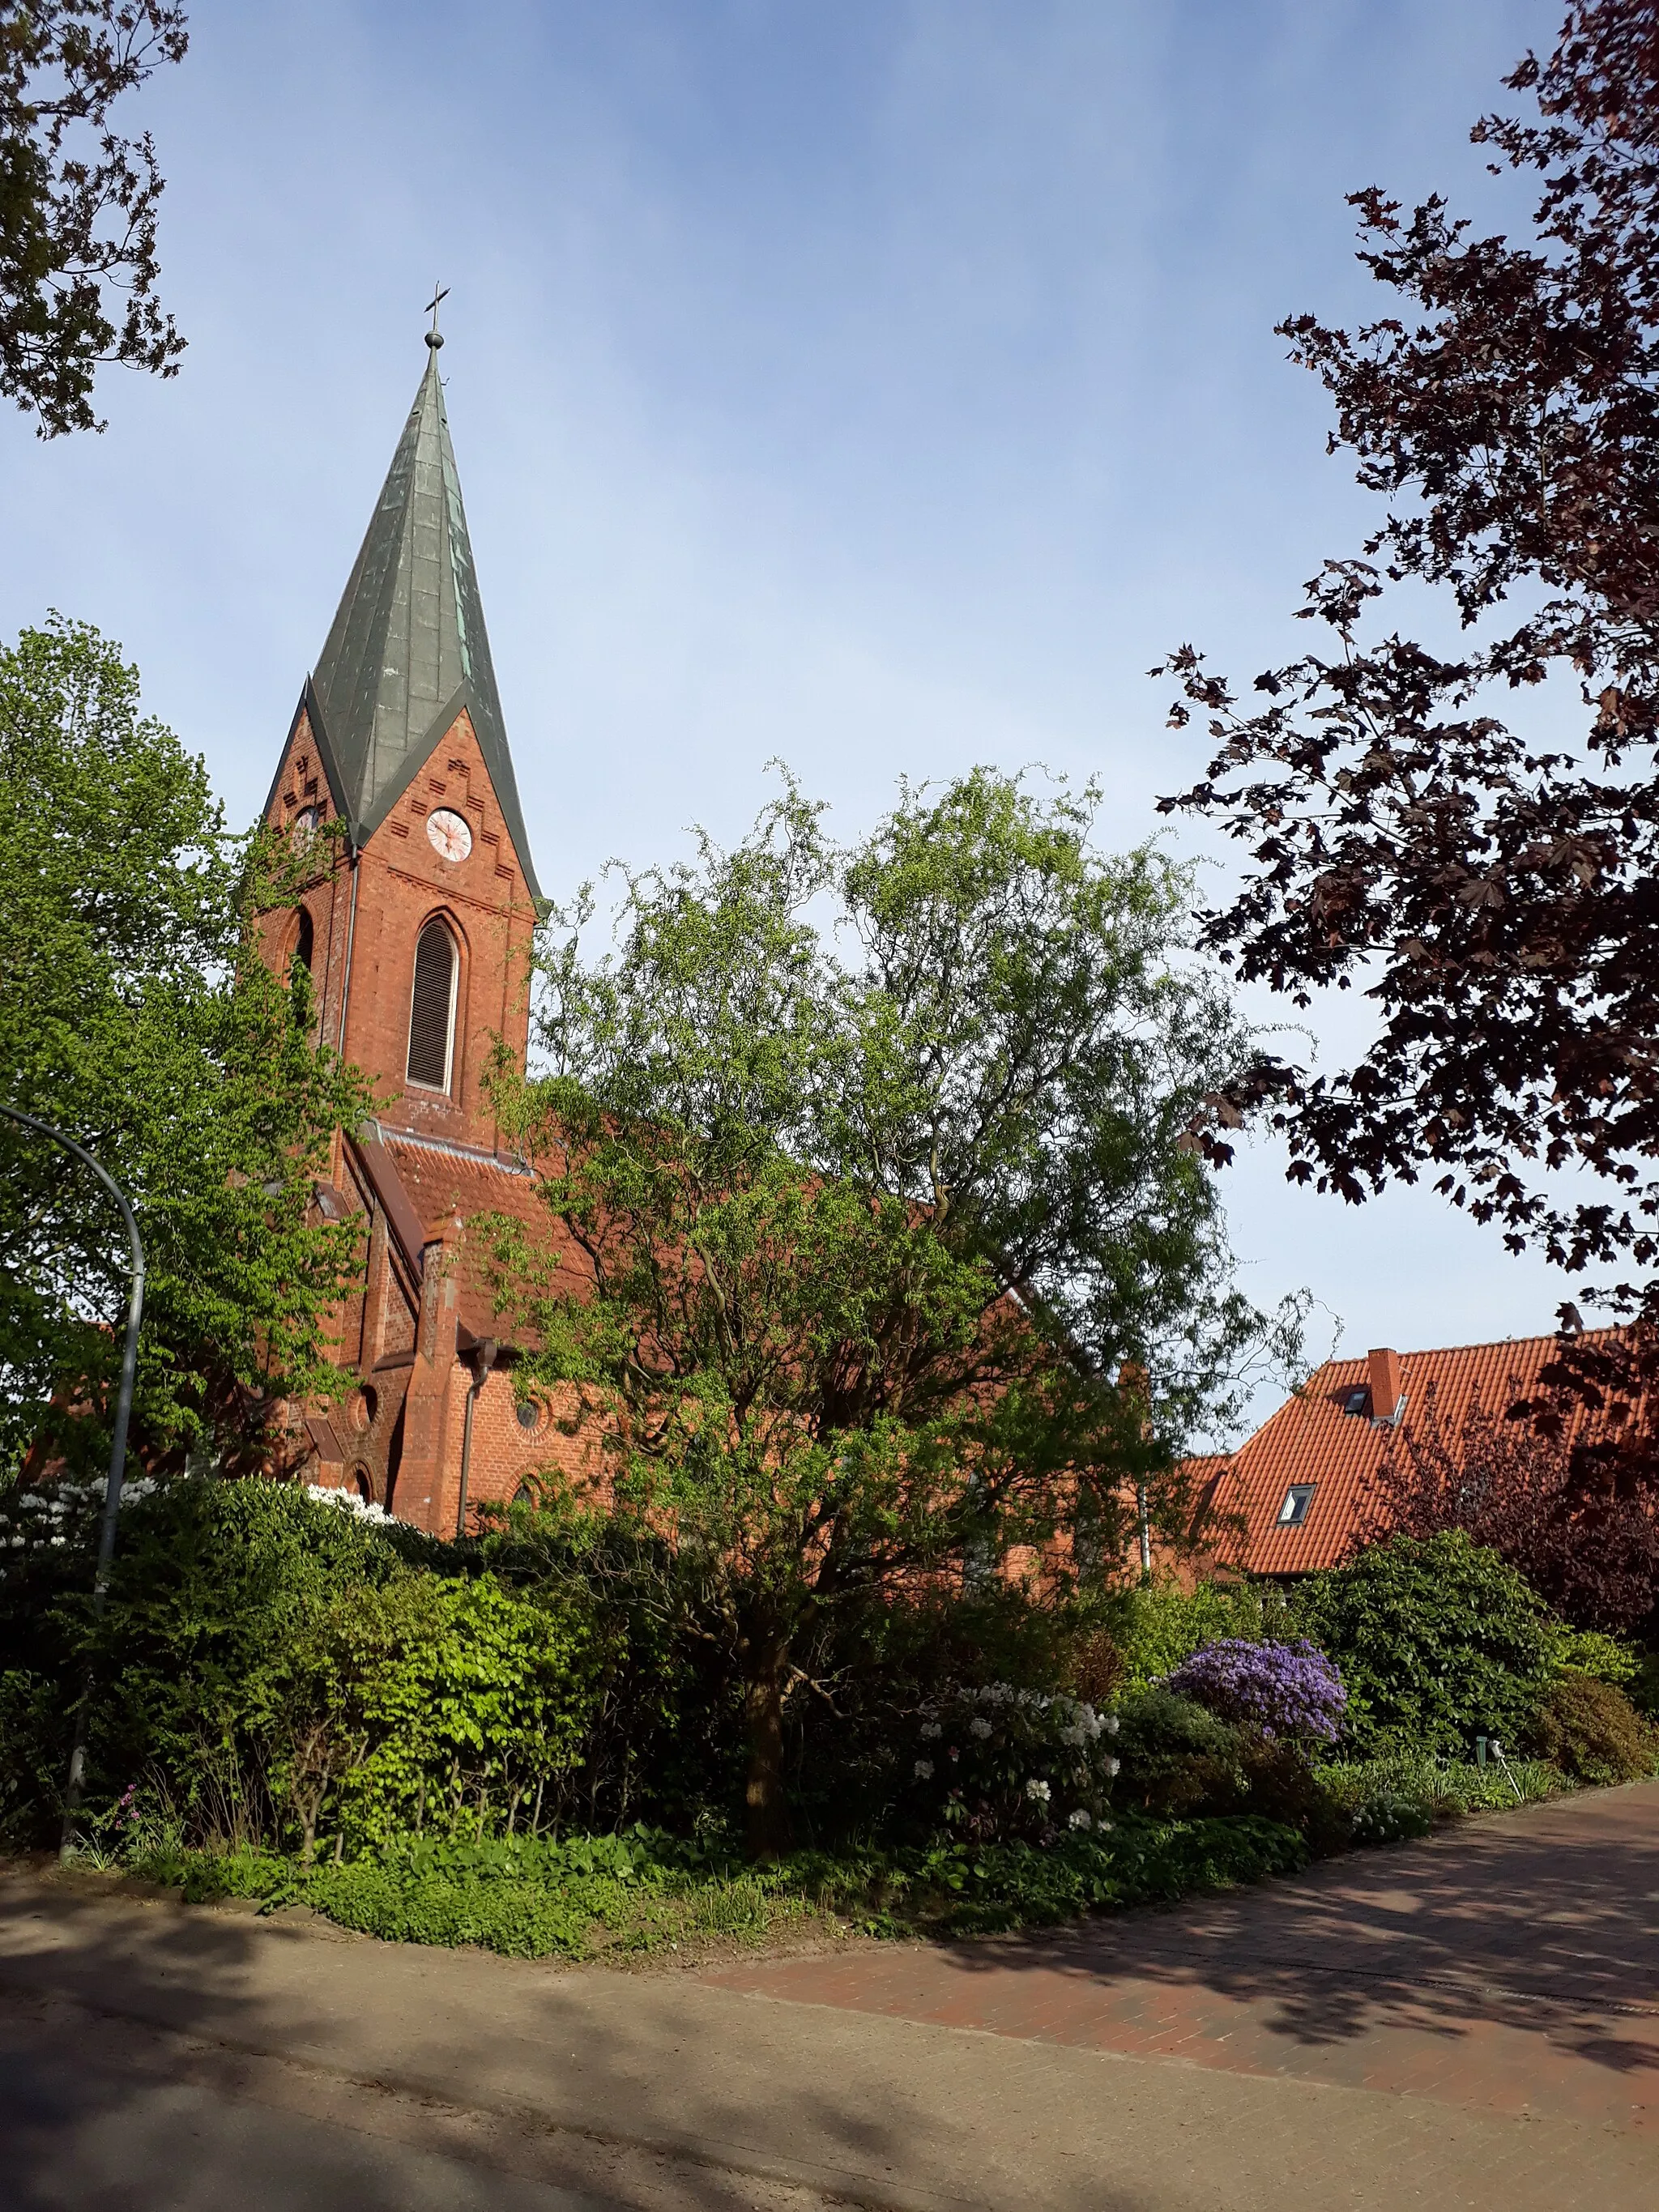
(435,339)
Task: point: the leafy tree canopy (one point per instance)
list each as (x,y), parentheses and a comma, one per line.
(876,1213)
(1494,898)
(130,1021)
(77,203)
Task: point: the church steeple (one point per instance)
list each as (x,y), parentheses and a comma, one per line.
(408,650)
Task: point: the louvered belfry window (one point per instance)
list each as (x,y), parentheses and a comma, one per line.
(432,1009)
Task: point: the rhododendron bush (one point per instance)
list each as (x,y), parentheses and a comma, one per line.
(995,1763)
(1278,1689)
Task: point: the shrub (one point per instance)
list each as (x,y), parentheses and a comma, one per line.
(1274,1689)
(272,1668)
(996,1764)
(432,1704)
(1592,1732)
(1438,1641)
(1587,1651)
(1159,1625)
(1178,1758)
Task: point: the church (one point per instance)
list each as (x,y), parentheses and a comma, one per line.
(416,927)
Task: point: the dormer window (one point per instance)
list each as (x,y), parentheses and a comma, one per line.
(432,1009)
(1298,1498)
(1358,1400)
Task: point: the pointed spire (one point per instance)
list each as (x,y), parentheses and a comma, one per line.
(408,649)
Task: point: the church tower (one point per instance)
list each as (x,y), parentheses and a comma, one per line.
(416,926)
(416,930)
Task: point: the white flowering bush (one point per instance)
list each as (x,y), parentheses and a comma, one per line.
(51,1514)
(995,1763)
(348,1501)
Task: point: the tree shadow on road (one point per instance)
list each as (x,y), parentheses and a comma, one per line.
(152,2054)
(1545,1922)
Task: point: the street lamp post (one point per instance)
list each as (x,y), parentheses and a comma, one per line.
(117,1450)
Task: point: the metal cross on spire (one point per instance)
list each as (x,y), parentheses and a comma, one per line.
(434,337)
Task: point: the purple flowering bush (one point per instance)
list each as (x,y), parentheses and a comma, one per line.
(1289,1690)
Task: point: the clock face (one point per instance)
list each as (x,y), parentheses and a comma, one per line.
(451,839)
(306,823)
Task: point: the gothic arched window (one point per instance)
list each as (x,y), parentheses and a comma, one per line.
(432,1008)
(304,938)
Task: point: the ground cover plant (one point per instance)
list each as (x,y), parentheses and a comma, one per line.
(586,1897)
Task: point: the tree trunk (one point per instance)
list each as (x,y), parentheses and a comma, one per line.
(766,1807)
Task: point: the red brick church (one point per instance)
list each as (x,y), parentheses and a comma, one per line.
(415,928)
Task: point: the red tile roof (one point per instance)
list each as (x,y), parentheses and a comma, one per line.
(1312,1439)
(447,1185)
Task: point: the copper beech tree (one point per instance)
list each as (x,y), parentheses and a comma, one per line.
(1495,896)
(1522,1492)
(78,261)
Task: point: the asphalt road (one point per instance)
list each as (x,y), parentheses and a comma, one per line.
(102,2114)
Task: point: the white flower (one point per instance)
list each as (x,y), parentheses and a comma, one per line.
(1038,1792)
(1111,1723)
(981,1729)
(1112,1764)
(924,1769)
(1080,1819)
(348,1501)
(932,1730)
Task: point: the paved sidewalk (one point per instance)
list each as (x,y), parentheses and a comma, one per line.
(1383,2013)
(1508,1966)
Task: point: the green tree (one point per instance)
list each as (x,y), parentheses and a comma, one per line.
(870,1176)
(134,1019)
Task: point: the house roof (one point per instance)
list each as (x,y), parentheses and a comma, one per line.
(1313,1440)
(408,650)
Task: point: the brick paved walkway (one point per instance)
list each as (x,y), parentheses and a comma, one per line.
(1511,1965)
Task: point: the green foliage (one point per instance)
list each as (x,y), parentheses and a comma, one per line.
(1592,1733)
(425,1702)
(1587,1651)
(1438,1641)
(134,1020)
(1403,1794)
(1159,1623)
(1176,1756)
(852,1245)
(272,1669)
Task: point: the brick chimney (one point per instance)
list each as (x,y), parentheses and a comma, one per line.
(1388,1384)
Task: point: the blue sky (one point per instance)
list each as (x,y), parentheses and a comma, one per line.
(884,385)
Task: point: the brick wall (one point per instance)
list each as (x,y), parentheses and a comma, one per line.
(401,884)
